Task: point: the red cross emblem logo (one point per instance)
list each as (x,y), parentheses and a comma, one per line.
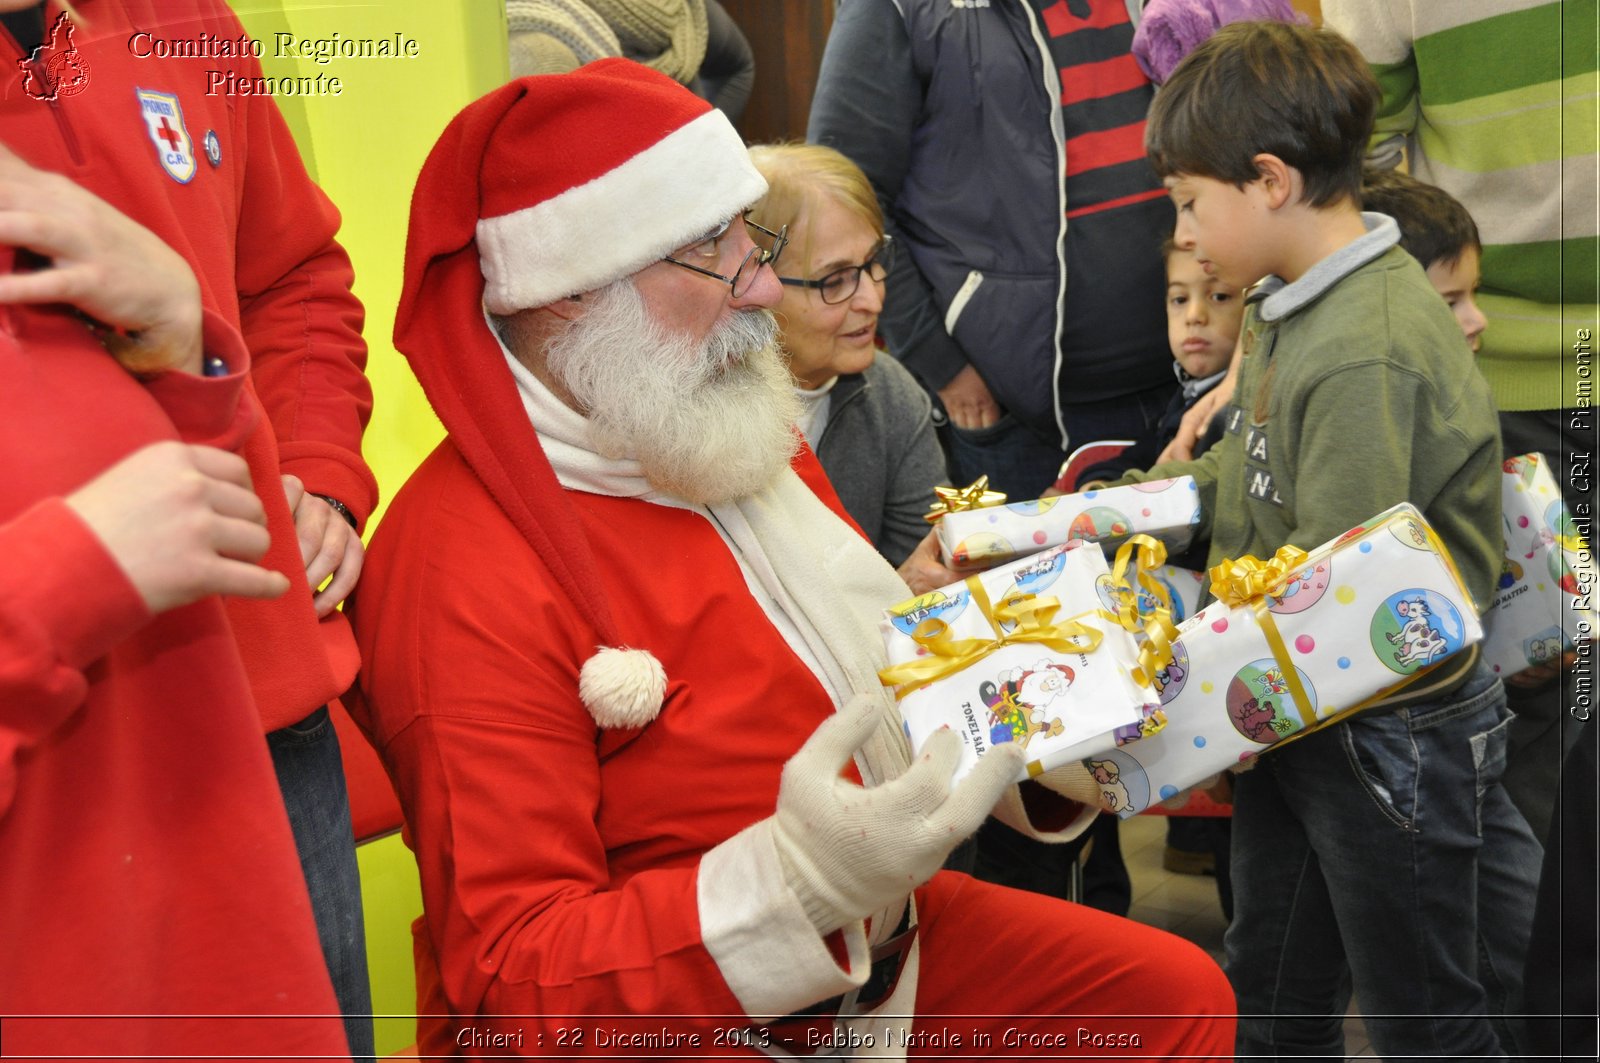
(163,119)
(55,69)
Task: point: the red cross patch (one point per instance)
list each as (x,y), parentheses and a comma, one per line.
(163,119)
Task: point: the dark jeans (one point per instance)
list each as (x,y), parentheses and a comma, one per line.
(1022,463)
(1367,851)
(1563,956)
(311,778)
(1540,735)
(1207,834)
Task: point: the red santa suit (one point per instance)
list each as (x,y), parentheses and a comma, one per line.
(217,176)
(591,854)
(146,867)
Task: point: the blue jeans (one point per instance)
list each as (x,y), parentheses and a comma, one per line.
(1364,853)
(1022,463)
(311,778)
(1016,460)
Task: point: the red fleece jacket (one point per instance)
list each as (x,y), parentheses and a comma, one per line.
(146,865)
(260,237)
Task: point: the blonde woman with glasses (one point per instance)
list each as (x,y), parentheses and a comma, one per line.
(868,420)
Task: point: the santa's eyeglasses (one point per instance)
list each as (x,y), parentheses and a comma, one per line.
(710,249)
(841,284)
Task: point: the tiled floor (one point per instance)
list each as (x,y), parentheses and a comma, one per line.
(1187,905)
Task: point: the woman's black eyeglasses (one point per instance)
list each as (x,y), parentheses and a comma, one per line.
(758,256)
(842,283)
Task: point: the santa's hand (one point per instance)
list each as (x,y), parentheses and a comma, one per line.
(1075,782)
(848,851)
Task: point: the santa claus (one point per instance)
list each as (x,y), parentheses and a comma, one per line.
(620,647)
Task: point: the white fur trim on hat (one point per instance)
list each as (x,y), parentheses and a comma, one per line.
(622,687)
(679,188)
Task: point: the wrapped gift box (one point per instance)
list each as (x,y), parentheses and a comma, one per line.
(974,539)
(1544,602)
(1357,619)
(1008,685)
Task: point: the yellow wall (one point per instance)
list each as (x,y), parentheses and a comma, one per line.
(365,147)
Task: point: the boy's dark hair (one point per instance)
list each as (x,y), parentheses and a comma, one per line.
(1302,94)
(1434,226)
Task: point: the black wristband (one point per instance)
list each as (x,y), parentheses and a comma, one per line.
(339,508)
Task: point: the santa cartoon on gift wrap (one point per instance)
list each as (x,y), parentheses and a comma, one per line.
(1017,705)
(1419,642)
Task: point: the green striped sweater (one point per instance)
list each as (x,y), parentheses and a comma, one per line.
(1496,102)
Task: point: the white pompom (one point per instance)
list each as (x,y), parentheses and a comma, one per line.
(622,688)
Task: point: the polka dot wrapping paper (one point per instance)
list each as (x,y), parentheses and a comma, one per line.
(1059,702)
(1357,619)
(1544,599)
(975,539)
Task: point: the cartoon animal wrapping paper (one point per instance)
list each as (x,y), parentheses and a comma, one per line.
(1058,704)
(1358,618)
(975,539)
(1544,601)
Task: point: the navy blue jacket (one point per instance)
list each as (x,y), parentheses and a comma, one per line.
(954,113)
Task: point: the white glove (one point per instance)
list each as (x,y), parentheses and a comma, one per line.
(1073,782)
(848,851)
(1096,783)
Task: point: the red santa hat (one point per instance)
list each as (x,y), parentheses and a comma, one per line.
(549,186)
(588,177)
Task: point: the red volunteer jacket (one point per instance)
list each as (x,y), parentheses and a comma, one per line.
(146,865)
(219,178)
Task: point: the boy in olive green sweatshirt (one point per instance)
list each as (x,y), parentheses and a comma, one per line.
(1357,849)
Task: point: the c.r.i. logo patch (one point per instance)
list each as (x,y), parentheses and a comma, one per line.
(163,119)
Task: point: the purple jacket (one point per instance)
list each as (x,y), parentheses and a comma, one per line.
(1171,29)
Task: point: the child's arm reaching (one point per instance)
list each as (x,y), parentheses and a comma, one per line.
(1198,417)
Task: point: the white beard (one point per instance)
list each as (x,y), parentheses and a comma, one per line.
(708,422)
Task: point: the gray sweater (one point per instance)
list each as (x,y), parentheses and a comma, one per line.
(882,456)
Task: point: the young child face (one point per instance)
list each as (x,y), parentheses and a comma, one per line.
(1203,316)
(1458,281)
(1222,224)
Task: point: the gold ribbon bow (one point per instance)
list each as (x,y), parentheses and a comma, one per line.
(975,495)
(1249,578)
(1248,581)
(1144,554)
(1019,618)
